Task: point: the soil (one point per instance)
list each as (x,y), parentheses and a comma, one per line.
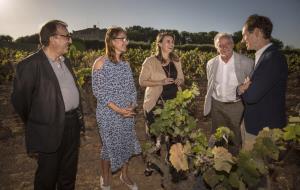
(17,169)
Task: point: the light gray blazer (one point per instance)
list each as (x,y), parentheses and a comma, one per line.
(243,67)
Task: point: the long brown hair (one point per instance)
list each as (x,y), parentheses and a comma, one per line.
(160,37)
(111,34)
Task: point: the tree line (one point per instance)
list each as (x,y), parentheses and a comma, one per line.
(148,34)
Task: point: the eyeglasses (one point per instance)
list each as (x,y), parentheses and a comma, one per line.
(68,36)
(124,39)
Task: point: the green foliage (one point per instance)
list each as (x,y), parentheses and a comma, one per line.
(8,60)
(201,47)
(293,60)
(136,57)
(248,169)
(211,177)
(19,55)
(265,145)
(220,170)
(294,119)
(223,133)
(292,132)
(6,38)
(139,45)
(193,60)
(277,43)
(146,146)
(82,75)
(199,144)
(174,119)
(81,59)
(78,45)
(194,64)
(32,39)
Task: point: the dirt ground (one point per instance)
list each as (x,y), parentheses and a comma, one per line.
(17,169)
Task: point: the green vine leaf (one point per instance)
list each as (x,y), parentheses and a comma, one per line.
(187,148)
(210,177)
(292,132)
(242,186)
(223,133)
(178,157)
(294,119)
(222,159)
(234,180)
(247,168)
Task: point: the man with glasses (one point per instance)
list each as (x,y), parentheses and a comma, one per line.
(46,97)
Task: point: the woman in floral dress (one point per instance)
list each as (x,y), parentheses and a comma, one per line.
(114,89)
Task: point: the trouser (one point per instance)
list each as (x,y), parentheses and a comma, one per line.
(228,115)
(248,139)
(58,170)
(150,119)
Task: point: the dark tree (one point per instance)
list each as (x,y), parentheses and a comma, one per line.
(277,43)
(32,39)
(237,37)
(6,38)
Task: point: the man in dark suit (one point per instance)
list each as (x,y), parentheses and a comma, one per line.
(264,92)
(46,97)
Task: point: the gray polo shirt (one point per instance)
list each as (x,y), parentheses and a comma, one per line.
(67,84)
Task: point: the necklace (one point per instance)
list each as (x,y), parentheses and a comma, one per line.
(168,71)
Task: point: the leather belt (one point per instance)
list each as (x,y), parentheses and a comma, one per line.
(71,112)
(231,102)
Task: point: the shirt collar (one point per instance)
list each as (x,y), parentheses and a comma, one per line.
(229,61)
(261,51)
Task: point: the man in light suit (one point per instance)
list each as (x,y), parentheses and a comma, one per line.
(225,73)
(264,92)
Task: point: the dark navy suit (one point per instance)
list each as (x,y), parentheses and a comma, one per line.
(265,98)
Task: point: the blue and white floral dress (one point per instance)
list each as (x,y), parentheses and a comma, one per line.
(114,83)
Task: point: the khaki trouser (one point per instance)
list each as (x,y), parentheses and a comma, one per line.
(248,139)
(228,114)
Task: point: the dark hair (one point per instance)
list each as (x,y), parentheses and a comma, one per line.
(158,53)
(261,22)
(49,29)
(110,35)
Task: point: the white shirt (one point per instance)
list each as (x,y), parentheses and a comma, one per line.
(260,52)
(226,81)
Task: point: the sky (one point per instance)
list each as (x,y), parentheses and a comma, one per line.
(25,17)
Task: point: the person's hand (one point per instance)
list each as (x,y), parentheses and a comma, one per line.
(178,82)
(244,86)
(127,112)
(246,83)
(247,79)
(167,81)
